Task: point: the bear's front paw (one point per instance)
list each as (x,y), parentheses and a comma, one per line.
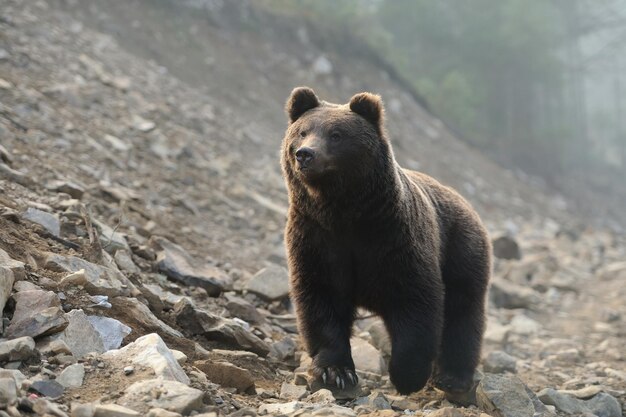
(335,375)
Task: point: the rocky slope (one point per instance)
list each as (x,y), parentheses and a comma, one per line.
(141,208)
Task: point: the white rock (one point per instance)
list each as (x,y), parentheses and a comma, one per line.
(114,410)
(111,331)
(72,376)
(271,283)
(157,393)
(367,359)
(80,335)
(523,325)
(151,351)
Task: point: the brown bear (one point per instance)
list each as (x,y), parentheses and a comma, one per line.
(363,232)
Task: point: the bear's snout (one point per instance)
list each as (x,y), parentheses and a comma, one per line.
(304,156)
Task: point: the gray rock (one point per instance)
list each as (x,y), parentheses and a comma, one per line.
(50,222)
(613,271)
(80,335)
(178,265)
(6,262)
(322,396)
(604,405)
(18,349)
(157,393)
(504,396)
(97,279)
(271,283)
(125,262)
(284,349)
(83,410)
(376,400)
(138,316)
(159,412)
(506,294)
(523,325)
(506,247)
(150,351)
(72,376)
(14,374)
(281,408)
(6,285)
(37,313)
(238,307)
(325,411)
(72,189)
(380,337)
(50,388)
(112,332)
(227,375)
(498,362)
(113,410)
(367,359)
(200,322)
(43,407)
(8,392)
(110,239)
(292,392)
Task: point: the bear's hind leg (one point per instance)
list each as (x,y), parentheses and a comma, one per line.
(464,323)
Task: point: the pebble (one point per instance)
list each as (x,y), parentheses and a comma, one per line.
(270,283)
(498,362)
(293,392)
(72,376)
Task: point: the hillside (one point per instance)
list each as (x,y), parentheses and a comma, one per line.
(139,161)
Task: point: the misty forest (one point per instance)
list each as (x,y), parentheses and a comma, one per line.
(190,227)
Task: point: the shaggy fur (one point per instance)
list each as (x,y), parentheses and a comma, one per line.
(363,232)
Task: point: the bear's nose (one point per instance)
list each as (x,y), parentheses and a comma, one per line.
(304,155)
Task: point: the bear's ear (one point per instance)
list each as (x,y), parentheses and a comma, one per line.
(300,100)
(370,107)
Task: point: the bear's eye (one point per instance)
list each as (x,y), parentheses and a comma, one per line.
(335,136)
(302,133)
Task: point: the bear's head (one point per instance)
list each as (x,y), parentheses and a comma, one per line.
(327,143)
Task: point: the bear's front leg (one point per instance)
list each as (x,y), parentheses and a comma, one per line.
(325,323)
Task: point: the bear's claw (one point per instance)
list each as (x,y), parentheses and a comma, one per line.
(340,377)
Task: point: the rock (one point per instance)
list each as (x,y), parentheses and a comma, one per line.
(227,375)
(159,412)
(72,189)
(376,400)
(178,265)
(496,332)
(150,351)
(602,404)
(504,396)
(43,407)
(498,362)
(37,313)
(380,337)
(72,376)
(6,262)
(125,262)
(114,410)
(271,283)
(142,124)
(14,374)
(613,271)
(506,247)
(281,408)
(327,411)
(111,240)
(322,396)
(128,370)
(50,222)
(97,279)
(447,412)
(138,316)
(83,410)
(48,388)
(180,357)
(523,325)
(18,349)
(111,331)
(157,393)
(367,359)
(284,349)
(80,335)
(6,285)
(8,392)
(238,307)
(348,393)
(200,322)
(293,392)
(505,294)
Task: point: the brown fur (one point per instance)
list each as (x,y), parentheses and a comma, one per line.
(363,232)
